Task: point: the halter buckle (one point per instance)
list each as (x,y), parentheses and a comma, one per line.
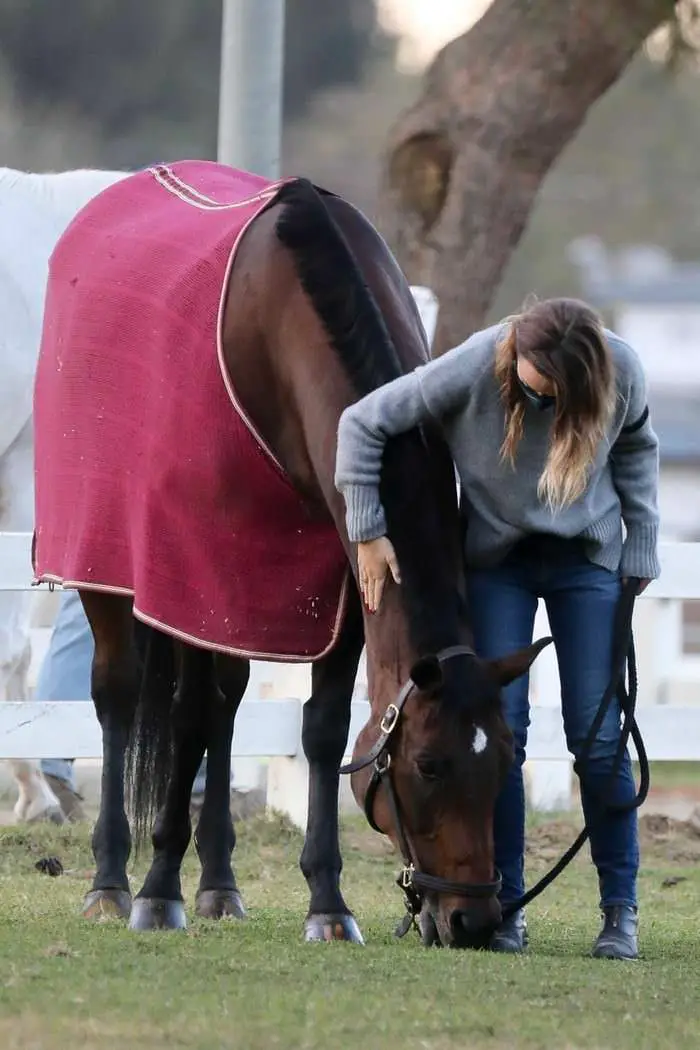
(382,764)
(389,720)
(407,877)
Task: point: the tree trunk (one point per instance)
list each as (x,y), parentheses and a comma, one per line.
(464,165)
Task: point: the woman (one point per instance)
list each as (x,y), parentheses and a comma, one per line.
(547,420)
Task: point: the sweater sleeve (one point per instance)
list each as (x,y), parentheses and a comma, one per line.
(635,471)
(431,391)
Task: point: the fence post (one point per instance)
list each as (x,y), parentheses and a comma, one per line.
(288,785)
(668,632)
(549,781)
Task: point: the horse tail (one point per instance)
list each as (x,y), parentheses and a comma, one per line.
(149,752)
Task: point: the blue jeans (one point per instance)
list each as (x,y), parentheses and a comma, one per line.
(65,675)
(581,600)
(65,670)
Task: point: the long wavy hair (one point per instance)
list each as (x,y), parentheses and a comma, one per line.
(565,341)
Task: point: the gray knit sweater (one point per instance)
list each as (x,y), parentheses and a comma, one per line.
(460,391)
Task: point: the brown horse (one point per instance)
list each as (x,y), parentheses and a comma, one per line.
(317,313)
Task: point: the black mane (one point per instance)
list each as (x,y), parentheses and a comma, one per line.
(330,275)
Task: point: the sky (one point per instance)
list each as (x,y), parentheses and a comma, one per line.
(426,25)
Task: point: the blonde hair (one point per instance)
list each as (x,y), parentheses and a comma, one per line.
(564,340)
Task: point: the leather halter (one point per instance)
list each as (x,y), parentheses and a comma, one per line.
(414,883)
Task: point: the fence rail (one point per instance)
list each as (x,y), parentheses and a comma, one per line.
(271,728)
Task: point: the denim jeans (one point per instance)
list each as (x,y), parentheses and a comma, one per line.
(65,675)
(65,670)
(581,599)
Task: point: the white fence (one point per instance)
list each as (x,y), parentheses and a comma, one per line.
(671,732)
(268,725)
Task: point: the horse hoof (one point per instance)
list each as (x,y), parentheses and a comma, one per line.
(107,904)
(156,913)
(332,927)
(219,904)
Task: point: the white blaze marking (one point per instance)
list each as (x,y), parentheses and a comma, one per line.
(480,741)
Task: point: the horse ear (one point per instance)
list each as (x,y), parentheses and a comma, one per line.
(427,673)
(508,668)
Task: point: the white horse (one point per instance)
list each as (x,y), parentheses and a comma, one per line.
(34,211)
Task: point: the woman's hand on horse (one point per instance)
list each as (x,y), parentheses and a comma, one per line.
(374,559)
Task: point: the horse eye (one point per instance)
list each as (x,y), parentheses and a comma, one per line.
(433,768)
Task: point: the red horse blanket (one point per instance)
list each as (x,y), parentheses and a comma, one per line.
(150,480)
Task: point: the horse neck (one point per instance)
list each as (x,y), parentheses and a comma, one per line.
(390,651)
(393,648)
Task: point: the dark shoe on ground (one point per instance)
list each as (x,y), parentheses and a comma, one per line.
(71,801)
(618,938)
(511,936)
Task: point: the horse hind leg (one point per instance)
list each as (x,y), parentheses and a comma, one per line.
(159,903)
(115,683)
(35,799)
(36,802)
(215,837)
(326,722)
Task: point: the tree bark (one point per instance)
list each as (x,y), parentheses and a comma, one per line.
(463,166)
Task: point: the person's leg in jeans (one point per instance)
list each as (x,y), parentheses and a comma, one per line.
(503,610)
(581,605)
(65,675)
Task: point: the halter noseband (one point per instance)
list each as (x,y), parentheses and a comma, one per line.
(413,882)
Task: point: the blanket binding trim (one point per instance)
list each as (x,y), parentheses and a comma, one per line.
(190,195)
(167,178)
(227,650)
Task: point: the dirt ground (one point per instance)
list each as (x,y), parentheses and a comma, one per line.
(660,834)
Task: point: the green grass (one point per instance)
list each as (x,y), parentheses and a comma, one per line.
(65,982)
(667,776)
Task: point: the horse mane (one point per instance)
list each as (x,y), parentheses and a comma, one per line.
(414,463)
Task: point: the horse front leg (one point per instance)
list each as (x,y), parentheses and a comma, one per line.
(159,904)
(326,721)
(215,837)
